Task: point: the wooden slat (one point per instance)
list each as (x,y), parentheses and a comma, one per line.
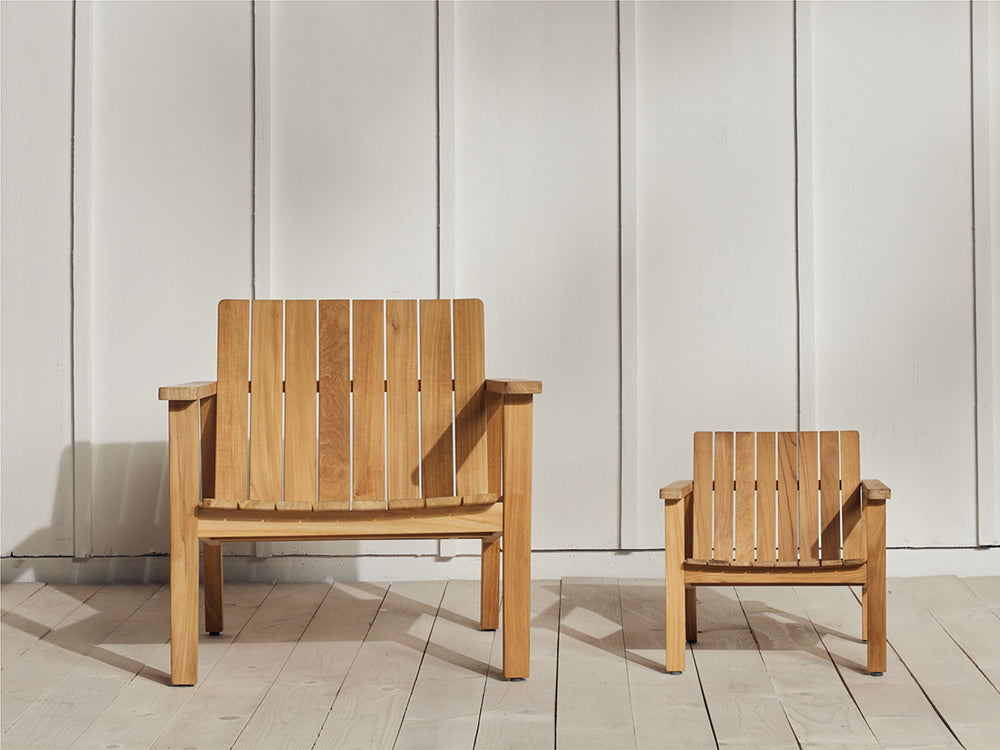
(369,405)
(265,404)
(723,520)
(300,404)
(436,398)
(402,402)
(829,467)
(744,510)
(850,480)
(808,496)
(334,405)
(701,531)
(470,398)
(766,543)
(231,433)
(787,496)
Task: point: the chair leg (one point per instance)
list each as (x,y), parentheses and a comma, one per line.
(489,600)
(184,490)
(516,536)
(691,614)
(864,612)
(214,620)
(875,601)
(675,594)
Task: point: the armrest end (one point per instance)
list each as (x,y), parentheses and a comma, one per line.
(676,490)
(188,391)
(873,489)
(512,386)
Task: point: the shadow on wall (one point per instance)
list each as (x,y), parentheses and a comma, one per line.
(129,532)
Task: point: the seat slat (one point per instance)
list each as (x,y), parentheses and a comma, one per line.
(300,404)
(436,398)
(723,517)
(850,479)
(701,531)
(788,458)
(808,496)
(265,404)
(369,405)
(470,398)
(744,508)
(765,497)
(402,402)
(231,403)
(334,405)
(829,467)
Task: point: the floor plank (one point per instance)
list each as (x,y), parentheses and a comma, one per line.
(12,594)
(24,623)
(224,701)
(742,703)
(668,711)
(369,709)
(592,667)
(41,668)
(294,709)
(147,705)
(818,706)
(988,590)
(447,697)
(521,714)
(894,706)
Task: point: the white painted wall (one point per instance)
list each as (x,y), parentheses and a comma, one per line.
(688,319)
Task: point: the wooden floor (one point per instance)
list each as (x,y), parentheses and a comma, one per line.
(305,665)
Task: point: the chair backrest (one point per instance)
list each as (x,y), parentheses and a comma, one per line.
(364,404)
(770,497)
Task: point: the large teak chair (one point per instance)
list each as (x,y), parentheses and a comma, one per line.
(774,508)
(368,419)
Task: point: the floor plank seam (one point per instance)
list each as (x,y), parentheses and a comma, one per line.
(555,698)
(482,699)
(357,653)
(962,649)
(628,681)
(701,688)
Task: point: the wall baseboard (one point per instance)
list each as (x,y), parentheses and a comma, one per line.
(961,561)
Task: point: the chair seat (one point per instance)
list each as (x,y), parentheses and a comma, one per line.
(756,564)
(415,503)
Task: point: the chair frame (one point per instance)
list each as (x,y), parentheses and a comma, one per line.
(193,435)
(684,572)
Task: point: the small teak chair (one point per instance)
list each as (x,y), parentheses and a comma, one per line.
(759,516)
(368,419)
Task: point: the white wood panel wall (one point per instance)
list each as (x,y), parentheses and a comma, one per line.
(556,122)
(37,437)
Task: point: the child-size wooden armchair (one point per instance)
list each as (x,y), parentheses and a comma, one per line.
(368,419)
(754,515)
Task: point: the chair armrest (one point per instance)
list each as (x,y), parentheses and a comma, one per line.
(510,386)
(188,391)
(676,490)
(872,489)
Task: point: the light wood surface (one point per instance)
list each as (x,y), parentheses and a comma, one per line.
(185,451)
(829,523)
(470,398)
(214,592)
(266,332)
(517,437)
(850,482)
(233,375)
(766,487)
(744,509)
(188,391)
(788,519)
(702,505)
(368,356)
(513,386)
(402,401)
(300,404)
(677,490)
(722,517)
(808,496)
(334,405)
(436,398)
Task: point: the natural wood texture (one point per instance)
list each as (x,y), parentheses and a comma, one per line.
(265,404)
(722,519)
(436,398)
(25,622)
(675,600)
(788,522)
(368,344)
(747,576)
(744,511)
(676,490)
(517,438)
(209,421)
(875,490)
(513,386)
(185,452)
(402,401)
(233,375)
(214,597)
(188,391)
(829,451)
(334,405)
(808,496)
(850,480)
(489,593)
(300,404)
(470,398)
(875,591)
(701,545)
(766,484)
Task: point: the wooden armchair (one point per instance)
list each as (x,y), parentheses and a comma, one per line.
(367,420)
(747,519)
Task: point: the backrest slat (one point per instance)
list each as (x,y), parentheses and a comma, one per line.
(402,401)
(788,517)
(744,509)
(436,398)
(850,480)
(231,417)
(765,497)
(470,398)
(829,483)
(300,403)
(369,405)
(334,405)
(723,512)
(808,496)
(265,403)
(701,532)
